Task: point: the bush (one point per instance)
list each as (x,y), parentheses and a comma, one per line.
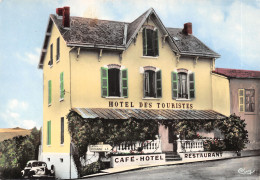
(11,173)
(93,168)
(214,145)
(236,136)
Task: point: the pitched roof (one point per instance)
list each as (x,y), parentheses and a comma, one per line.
(189,44)
(133,26)
(237,73)
(147,114)
(104,34)
(92,31)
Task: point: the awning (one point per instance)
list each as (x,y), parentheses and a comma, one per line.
(151,114)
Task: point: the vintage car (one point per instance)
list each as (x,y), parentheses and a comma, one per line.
(37,169)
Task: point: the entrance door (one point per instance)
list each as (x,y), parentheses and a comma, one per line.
(172,138)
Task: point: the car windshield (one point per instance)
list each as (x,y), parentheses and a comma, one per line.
(35,164)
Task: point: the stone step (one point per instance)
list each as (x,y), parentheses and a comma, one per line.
(173,159)
(171,156)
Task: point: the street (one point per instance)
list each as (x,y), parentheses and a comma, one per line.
(238,169)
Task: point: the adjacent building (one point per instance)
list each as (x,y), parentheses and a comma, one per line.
(244,92)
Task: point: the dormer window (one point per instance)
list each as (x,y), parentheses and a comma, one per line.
(150,41)
(183,84)
(114,81)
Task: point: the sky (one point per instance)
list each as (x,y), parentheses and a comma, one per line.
(229,27)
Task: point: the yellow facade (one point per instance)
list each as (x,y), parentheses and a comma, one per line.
(57,108)
(82,82)
(221,94)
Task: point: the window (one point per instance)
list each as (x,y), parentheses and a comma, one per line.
(58,50)
(49,92)
(152,83)
(114,82)
(246,98)
(183,85)
(150,41)
(62,130)
(51,55)
(61,86)
(49,133)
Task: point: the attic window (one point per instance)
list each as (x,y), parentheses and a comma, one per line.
(150,42)
(176,38)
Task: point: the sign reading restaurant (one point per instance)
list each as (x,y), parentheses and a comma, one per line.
(147,105)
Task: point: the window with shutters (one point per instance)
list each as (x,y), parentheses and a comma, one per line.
(61,86)
(246,99)
(49,92)
(58,49)
(152,83)
(51,56)
(183,84)
(62,130)
(114,81)
(150,41)
(49,133)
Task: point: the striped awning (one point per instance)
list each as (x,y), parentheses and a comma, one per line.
(152,114)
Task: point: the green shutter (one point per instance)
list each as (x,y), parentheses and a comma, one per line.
(104,82)
(61,86)
(144,42)
(49,92)
(159,84)
(192,85)
(124,75)
(48,132)
(241,100)
(174,85)
(155,43)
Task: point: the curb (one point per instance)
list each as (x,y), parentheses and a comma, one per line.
(103,173)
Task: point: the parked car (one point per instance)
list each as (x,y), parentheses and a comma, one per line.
(37,169)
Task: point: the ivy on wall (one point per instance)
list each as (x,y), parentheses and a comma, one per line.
(85,132)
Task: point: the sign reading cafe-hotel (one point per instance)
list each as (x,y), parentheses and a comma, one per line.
(137,159)
(147,105)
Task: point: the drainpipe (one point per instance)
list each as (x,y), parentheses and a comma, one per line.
(70,104)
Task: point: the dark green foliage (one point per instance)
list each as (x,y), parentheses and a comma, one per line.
(233,128)
(11,172)
(86,132)
(188,128)
(93,168)
(214,145)
(17,151)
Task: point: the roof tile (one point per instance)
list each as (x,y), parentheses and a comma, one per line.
(237,73)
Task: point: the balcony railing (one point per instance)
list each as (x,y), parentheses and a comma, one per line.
(147,146)
(190,145)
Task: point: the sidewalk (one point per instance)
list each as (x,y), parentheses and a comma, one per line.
(137,167)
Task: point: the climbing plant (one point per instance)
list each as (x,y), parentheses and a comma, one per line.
(233,128)
(85,132)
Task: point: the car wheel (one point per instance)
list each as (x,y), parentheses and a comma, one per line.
(30,174)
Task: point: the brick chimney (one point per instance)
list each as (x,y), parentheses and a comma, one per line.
(59,11)
(187,28)
(66,17)
(64,13)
